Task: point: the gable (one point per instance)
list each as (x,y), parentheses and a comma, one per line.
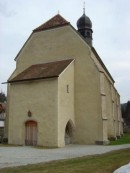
(55,21)
(41,33)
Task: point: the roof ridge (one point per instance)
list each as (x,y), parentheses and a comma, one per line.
(55,21)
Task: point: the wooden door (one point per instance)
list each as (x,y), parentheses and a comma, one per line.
(31,133)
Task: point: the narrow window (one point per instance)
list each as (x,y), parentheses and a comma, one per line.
(67,87)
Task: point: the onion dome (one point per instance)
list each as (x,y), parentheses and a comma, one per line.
(84,22)
(84,26)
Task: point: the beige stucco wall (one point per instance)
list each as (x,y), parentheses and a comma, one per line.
(86,112)
(50,45)
(40,97)
(119,124)
(103,107)
(109,109)
(112,121)
(113,111)
(65,103)
(65,43)
(87,99)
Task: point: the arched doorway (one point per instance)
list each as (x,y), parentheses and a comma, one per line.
(68,133)
(31,133)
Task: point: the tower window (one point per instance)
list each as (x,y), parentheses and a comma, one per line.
(88,34)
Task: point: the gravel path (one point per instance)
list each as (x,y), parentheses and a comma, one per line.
(16,156)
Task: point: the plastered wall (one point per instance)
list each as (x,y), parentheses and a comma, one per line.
(41,99)
(83,77)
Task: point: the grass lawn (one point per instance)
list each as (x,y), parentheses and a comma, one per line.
(123,140)
(105,163)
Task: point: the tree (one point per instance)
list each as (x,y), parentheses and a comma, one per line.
(128,110)
(2,97)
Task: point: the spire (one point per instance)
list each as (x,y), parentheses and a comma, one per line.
(84,7)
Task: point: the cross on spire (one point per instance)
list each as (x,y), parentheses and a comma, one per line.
(84,7)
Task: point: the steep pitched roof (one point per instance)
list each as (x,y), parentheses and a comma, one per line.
(56,21)
(42,71)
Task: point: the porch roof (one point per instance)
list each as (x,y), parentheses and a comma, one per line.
(42,71)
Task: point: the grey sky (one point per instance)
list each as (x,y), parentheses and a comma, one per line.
(111,38)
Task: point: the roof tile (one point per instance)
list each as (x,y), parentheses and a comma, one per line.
(56,21)
(42,71)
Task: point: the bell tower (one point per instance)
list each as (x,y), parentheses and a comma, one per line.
(84,26)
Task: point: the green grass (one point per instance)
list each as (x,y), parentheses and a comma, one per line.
(105,163)
(123,140)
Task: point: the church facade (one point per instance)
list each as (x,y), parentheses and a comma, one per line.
(61,92)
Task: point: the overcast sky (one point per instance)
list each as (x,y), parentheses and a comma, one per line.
(111,37)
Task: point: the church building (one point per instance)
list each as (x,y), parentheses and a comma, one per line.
(61,92)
